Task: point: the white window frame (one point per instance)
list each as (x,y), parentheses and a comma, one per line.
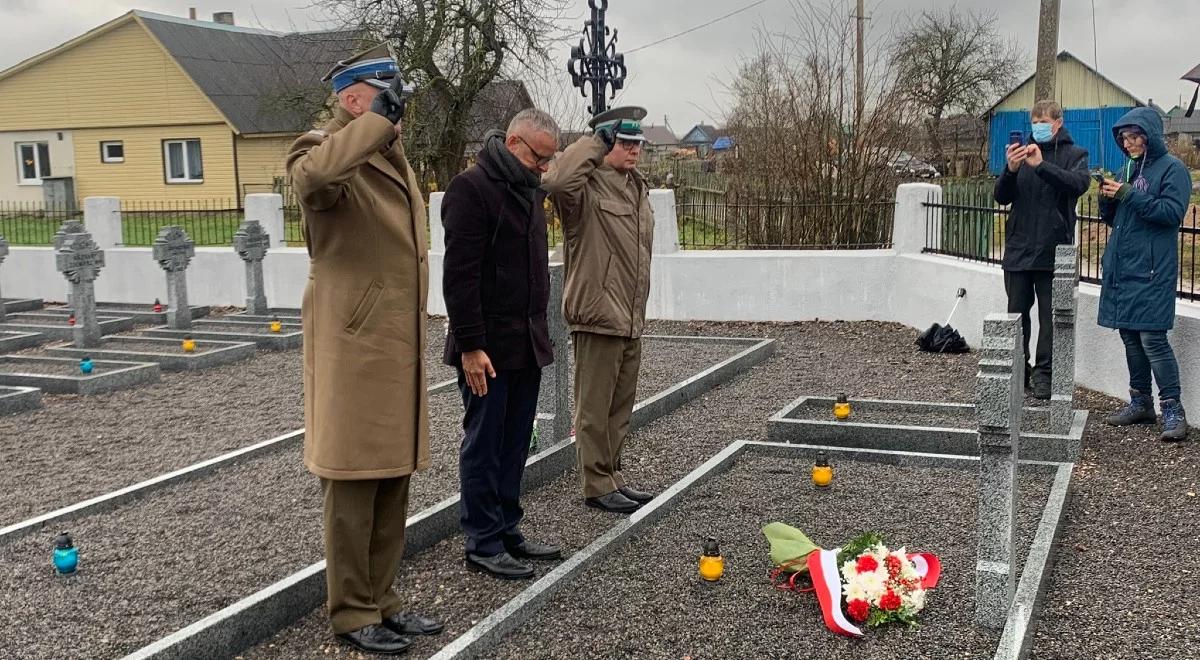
(105,158)
(37,163)
(182,142)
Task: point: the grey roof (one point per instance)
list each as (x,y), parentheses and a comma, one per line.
(497,103)
(659,135)
(262,81)
(1177,123)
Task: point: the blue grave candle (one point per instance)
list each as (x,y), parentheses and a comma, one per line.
(66,555)
(86,366)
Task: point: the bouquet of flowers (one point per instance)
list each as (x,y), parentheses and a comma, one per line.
(880,585)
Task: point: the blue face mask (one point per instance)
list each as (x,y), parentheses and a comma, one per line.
(1042,132)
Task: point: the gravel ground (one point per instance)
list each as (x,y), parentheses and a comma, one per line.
(885,364)
(79,447)
(743,616)
(193,537)
(1127,577)
(170,346)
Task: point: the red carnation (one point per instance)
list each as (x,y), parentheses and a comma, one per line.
(866,564)
(893,565)
(890,601)
(858,609)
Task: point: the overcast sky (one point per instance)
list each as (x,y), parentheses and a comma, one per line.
(1144,45)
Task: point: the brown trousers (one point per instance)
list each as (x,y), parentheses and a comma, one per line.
(364,542)
(606,374)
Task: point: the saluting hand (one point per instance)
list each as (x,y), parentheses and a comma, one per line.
(477,367)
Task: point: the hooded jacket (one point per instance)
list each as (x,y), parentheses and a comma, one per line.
(1043,203)
(1141,262)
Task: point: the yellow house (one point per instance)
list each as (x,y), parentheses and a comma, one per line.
(152,108)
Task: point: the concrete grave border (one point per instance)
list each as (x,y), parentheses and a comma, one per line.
(16,341)
(19,399)
(141,314)
(781,427)
(281,312)
(1022,620)
(221,353)
(282,341)
(125,375)
(227,632)
(64,332)
(17,305)
(248,321)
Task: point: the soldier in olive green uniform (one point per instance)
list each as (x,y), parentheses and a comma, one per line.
(609,230)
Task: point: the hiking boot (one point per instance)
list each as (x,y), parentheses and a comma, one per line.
(1175,426)
(1139,410)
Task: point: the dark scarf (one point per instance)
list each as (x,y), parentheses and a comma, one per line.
(521,182)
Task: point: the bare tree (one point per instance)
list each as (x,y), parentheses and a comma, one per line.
(452,49)
(950,63)
(803,175)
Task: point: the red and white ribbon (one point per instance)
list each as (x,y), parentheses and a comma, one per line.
(827,581)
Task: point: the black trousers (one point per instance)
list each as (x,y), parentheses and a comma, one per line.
(492,458)
(1022,287)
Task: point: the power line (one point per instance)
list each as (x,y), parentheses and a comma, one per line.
(698,27)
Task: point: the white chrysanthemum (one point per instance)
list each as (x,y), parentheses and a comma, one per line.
(849,570)
(873,584)
(915,600)
(854,591)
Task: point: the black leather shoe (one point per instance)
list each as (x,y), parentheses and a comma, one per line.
(408,623)
(614,502)
(501,566)
(639,496)
(1041,390)
(534,550)
(376,639)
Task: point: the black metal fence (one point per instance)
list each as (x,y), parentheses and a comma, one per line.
(709,220)
(206,221)
(967,223)
(34,223)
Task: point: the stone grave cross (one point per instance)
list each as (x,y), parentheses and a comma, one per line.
(80,260)
(251,242)
(67,229)
(3,254)
(1062,377)
(999,401)
(173,251)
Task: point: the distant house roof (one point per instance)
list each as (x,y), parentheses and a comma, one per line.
(1064,55)
(700,134)
(254,76)
(723,142)
(1177,123)
(498,102)
(659,135)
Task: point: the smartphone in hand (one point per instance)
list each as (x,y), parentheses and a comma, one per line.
(1016,137)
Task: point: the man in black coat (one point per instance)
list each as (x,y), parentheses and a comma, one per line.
(1042,182)
(496,284)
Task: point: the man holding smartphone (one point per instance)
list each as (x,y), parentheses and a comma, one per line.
(1042,182)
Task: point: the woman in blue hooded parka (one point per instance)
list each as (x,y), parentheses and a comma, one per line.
(1145,206)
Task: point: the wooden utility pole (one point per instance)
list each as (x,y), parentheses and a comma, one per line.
(859,80)
(1047,51)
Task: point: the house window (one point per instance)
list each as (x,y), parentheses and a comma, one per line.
(33,162)
(112,152)
(181,160)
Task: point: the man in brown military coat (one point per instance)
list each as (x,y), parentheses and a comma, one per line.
(366,421)
(609,231)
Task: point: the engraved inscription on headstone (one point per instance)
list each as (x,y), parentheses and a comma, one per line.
(80,261)
(998,406)
(67,229)
(173,251)
(251,243)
